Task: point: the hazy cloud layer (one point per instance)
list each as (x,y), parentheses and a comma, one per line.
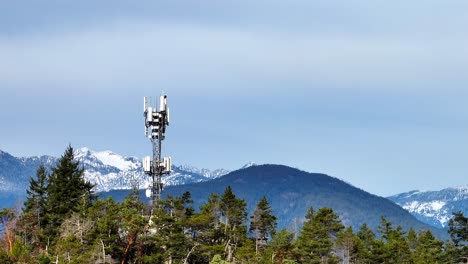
(351,88)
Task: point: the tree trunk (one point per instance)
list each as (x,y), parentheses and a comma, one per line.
(131,241)
(10,240)
(228,248)
(103,252)
(189,253)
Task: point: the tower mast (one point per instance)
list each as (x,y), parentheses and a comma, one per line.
(156,121)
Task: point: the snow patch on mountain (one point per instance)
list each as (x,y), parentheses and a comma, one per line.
(434,207)
(249,164)
(105,169)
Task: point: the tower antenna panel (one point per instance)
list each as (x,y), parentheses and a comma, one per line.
(155,128)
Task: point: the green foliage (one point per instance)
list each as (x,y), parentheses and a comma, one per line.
(5,258)
(68,192)
(105,231)
(315,243)
(427,249)
(263,223)
(32,222)
(458,228)
(395,248)
(218,260)
(234,212)
(348,244)
(281,246)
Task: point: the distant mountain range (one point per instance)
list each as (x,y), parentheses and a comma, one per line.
(291,192)
(110,171)
(106,169)
(434,207)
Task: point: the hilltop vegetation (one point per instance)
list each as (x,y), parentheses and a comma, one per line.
(63,222)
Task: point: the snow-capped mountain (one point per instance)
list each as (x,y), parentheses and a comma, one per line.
(106,169)
(434,207)
(110,171)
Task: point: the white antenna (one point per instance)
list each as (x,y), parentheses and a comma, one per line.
(155,129)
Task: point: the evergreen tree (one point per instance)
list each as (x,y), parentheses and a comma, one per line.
(131,226)
(234,212)
(263,224)
(412,239)
(429,250)
(396,248)
(68,192)
(32,221)
(348,243)
(105,233)
(281,246)
(206,230)
(458,228)
(370,250)
(315,242)
(168,241)
(37,193)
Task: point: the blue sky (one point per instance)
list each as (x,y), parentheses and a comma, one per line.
(372,92)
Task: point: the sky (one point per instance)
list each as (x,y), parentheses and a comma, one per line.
(371,92)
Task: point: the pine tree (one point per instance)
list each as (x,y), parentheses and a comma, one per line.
(32,221)
(68,192)
(206,231)
(348,243)
(458,230)
(370,250)
(429,250)
(169,243)
(235,214)
(281,246)
(131,226)
(37,192)
(315,242)
(263,224)
(396,248)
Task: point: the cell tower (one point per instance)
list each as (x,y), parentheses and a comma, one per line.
(155,129)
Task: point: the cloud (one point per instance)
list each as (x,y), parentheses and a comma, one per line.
(127,53)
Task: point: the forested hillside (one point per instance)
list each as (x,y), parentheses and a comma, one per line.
(291,192)
(62,221)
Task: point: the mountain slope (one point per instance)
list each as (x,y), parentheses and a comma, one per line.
(106,169)
(291,192)
(434,207)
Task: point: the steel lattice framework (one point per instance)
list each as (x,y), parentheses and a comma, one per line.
(156,121)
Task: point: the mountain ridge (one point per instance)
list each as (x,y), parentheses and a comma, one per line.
(106,169)
(291,192)
(434,207)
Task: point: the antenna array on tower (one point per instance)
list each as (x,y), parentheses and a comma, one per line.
(155,129)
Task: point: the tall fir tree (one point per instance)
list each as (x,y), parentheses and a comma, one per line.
(396,248)
(263,224)
(234,211)
(458,228)
(429,250)
(316,240)
(206,230)
(458,231)
(348,244)
(68,192)
(281,245)
(32,220)
(370,250)
(37,192)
